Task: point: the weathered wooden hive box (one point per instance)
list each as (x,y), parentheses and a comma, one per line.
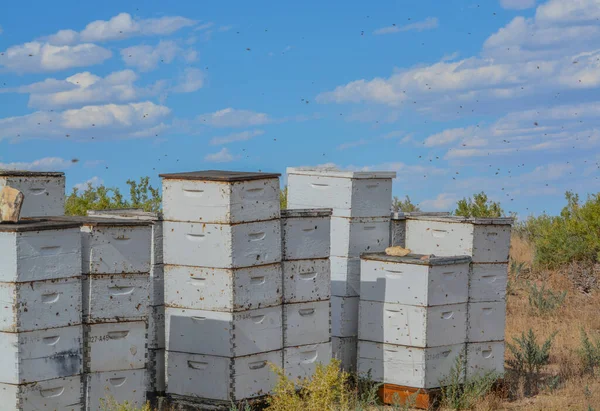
(44,191)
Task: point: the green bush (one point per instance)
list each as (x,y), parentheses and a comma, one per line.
(589,353)
(478,206)
(543,301)
(405,206)
(283,198)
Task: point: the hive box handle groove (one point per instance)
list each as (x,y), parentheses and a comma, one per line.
(37,191)
(196,237)
(257,365)
(308,230)
(196,365)
(187,192)
(306,311)
(258,318)
(121,238)
(313,356)
(121,290)
(257,236)
(117,335)
(117,382)
(319,185)
(50,249)
(52,392)
(447,315)
(309,275)
(257,280)
(50,298)
(439,233)
(486,353)
(372,185)
(51,340)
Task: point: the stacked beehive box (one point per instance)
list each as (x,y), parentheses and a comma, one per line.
(398,225)
(44,192)
(413,319)
(156,311)
(361,204)
(487,241)
(223,284)
(41,334)
(306,290)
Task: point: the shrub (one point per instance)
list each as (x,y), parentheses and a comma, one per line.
(461,393)
(405,206)
(543,301)
(589,354)
(529,359)
(283,198)
(110,404)
(478,206)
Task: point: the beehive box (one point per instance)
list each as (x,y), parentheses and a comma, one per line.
(222,245)
(305,233)
(115,346)
(306,280)
(34,250)
(65,394)
(223,289)
(306,323)
(300,362)
(407,366)
(41,355)
(40,304)
(138,214)
(224,334)
(486,240)
(412,325)
(157,285)
(344,350)
(220,197)
(488,282)
(347,193)
(122,386)
(345,276)
(344,316)
(118,297)
(225,379)
(485,357)
(156,327)
(44,192)
(486,321)
(414,281)
(351,237)
(398,225)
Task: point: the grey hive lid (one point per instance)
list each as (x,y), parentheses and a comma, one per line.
(306,212)
(334,172)
(36,224)
(100,222)
(22,173)
(468,220)
(416,259)
(219,175)
(126,213)
(403,216)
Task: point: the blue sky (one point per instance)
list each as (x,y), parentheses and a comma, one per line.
(455,96)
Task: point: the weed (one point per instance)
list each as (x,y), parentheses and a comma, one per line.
(589,354)
(543,301)
(110,404)
(410,402)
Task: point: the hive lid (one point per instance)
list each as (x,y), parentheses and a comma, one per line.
(100,222)
(333,172)
(22,173)
(416,259)
(219,175)
(127,214)
(460,219)
(26,225)
(402,216)
(306,212)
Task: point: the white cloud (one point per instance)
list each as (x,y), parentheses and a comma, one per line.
(517,4)
(235,137)
(428,24)
(43,164)
(146,58)
(92,182)
(191,80)
(449,136)
(223,156)
(133,120)
(40,57)
(230,117)
(443,202)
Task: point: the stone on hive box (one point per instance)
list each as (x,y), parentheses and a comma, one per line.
(11,201)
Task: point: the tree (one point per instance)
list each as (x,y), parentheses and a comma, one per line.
(478,206)
(142,194)
(283,198)
(405,206)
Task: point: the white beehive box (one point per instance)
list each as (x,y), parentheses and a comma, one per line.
(120,297)
(344,316)
(486,321)
(412,325)
(485,357)
(413,281)
(344,349)
(65,394)
(115,346)
(40,304)
(140,215)
(350,237)
(156,371)
(348,193)
(122,386)
(157,285)
(221,197)
(156,327)
(36,250)
(306,280)
(225,379)
(488,282)
(305,233)
(407,366)
(44,192)
(223,289)
(345,276)
(41,354)
(306,323)
(485,240)
(398,225)
(224,334)
(222,245)
(301,362)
